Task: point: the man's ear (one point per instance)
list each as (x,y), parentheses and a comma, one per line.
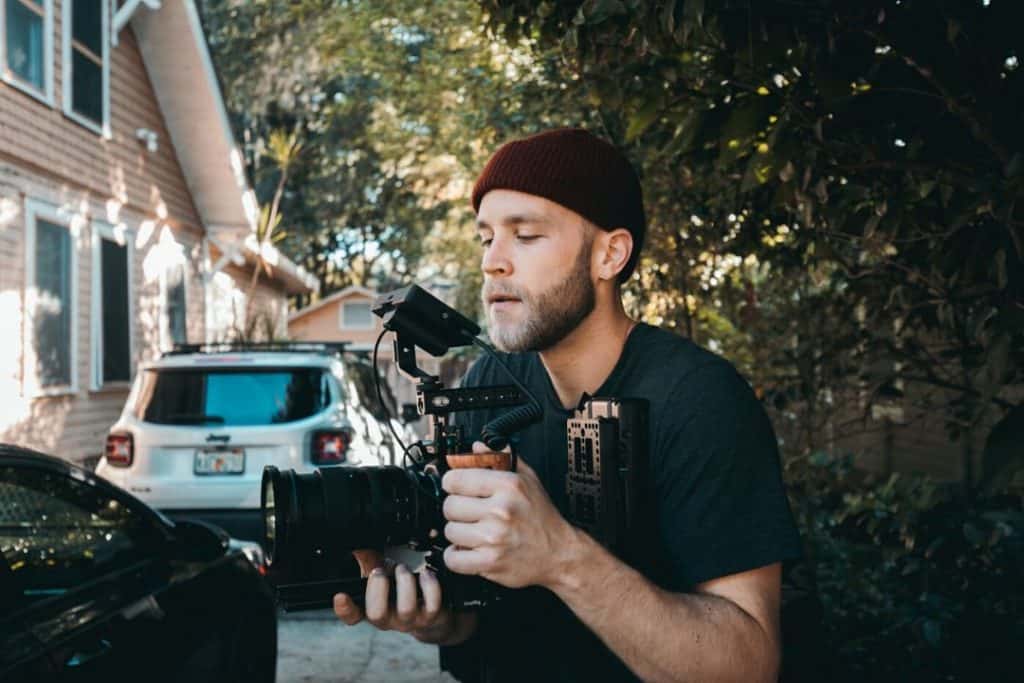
(613,250)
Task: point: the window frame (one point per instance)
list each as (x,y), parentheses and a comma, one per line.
(8,76)
(166,339)
(34,210)
(101,230)
(67,76)
(345,325)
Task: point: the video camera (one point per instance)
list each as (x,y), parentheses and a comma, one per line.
(313,522)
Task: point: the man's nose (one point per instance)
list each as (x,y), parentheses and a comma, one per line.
(496,260)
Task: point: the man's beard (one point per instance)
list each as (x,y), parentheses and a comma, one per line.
(549,316)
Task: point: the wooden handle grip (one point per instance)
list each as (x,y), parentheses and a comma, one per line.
(487,461)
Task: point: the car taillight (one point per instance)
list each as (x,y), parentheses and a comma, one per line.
(330,448)
(119,450)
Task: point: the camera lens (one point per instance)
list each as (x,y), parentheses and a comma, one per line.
(268,503)
(313,521)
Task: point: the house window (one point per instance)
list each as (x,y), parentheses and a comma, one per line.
(25,62)
(87,63)
(51,266)
(174,302)
(111,287)
(356,316)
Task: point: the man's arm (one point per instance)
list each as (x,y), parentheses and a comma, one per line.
(504,527)
(728,630)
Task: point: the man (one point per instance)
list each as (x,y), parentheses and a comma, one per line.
(561,222)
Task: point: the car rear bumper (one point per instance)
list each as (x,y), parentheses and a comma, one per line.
(208,492)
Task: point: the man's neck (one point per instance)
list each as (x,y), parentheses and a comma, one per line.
(586,357)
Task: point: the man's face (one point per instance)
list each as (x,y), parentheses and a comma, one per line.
(536,264)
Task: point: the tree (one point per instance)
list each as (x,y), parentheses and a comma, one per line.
(398,104)
(842,179)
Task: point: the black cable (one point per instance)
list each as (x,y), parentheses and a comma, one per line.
(496,432)
(380,399)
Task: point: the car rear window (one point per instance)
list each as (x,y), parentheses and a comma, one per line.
(231,396)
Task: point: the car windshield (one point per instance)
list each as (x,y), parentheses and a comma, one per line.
(231,396)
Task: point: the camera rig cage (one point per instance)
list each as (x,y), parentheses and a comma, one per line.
(606,447)
(420,320)
(606,437)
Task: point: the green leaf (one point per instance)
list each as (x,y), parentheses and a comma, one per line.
(642,118)
(1003,455)
(871,225)
(693,12)
(747,117)
(1014,165)
(598,11)
(1001,276)
(668,17)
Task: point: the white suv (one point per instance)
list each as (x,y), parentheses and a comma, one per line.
(202,422)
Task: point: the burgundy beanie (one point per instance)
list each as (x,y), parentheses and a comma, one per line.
(576,169)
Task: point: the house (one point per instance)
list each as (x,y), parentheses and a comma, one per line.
(125,218)
(346,316)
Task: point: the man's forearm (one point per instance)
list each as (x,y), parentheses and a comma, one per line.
(660,635)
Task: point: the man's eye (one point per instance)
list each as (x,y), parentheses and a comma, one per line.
(527,238)
(485,243)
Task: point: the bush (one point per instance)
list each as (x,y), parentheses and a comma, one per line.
(914,584)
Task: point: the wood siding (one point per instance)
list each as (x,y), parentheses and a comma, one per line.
(47,157)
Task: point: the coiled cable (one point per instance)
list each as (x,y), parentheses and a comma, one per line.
(495,434)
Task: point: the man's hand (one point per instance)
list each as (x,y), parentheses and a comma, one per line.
(503,526)
(416,608)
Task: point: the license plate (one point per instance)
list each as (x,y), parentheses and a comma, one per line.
(220,461)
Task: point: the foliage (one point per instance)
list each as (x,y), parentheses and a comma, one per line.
(915,585)
(833,193)
(397,104)
(833,188)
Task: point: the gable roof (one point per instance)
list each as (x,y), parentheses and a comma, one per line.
(327,301)
(178,62)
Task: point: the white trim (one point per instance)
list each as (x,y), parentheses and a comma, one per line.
(35,209)
(207,283)
(101,230)
(46,95)
(66,75)
(343,324)
(124,15)
(250,205)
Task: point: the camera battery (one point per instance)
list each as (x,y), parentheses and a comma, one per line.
(606,441)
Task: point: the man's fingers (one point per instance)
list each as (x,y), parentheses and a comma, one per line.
(464,508)
(481,447)
(406,596)
(347,610)
(475,534)
(431,589)
(467,561)
(378,585)
(474,482)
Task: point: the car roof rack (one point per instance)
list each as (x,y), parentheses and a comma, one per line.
(326,347)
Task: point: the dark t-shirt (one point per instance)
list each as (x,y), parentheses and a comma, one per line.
(719,502)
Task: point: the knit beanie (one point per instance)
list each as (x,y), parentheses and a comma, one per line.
(576,169)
